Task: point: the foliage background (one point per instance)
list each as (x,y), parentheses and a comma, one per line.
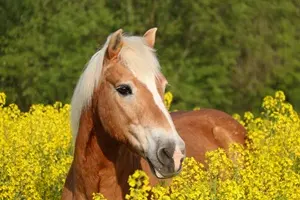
(224,55)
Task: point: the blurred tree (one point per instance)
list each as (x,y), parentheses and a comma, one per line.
(42,56)
(224,55)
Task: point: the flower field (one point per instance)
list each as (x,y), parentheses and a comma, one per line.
(36,152)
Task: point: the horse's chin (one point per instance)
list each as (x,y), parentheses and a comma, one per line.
(158,174)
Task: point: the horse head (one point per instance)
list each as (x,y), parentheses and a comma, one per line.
(125,75)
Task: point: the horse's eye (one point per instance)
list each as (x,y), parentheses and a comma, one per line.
(124,90)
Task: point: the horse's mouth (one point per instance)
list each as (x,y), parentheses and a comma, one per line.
(158,173)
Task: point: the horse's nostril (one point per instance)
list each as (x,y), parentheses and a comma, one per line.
(165,155)
(167,152)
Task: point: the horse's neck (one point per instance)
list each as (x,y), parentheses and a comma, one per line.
(101,164)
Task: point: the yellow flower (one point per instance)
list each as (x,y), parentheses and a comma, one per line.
(36,154)
(279,95)
(35,151)
(168,98)
(2,98)
(196,108)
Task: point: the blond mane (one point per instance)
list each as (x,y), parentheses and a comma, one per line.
(135,55)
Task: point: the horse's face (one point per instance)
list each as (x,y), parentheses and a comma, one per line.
(133,112)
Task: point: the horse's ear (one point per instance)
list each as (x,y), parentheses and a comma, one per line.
(114,45)
(150,37)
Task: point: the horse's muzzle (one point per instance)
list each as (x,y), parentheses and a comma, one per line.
(168,160)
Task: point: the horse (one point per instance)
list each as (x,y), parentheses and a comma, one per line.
(121,124)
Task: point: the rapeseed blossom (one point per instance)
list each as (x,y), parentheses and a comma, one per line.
(36,153)
(35,150)
(168,98)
